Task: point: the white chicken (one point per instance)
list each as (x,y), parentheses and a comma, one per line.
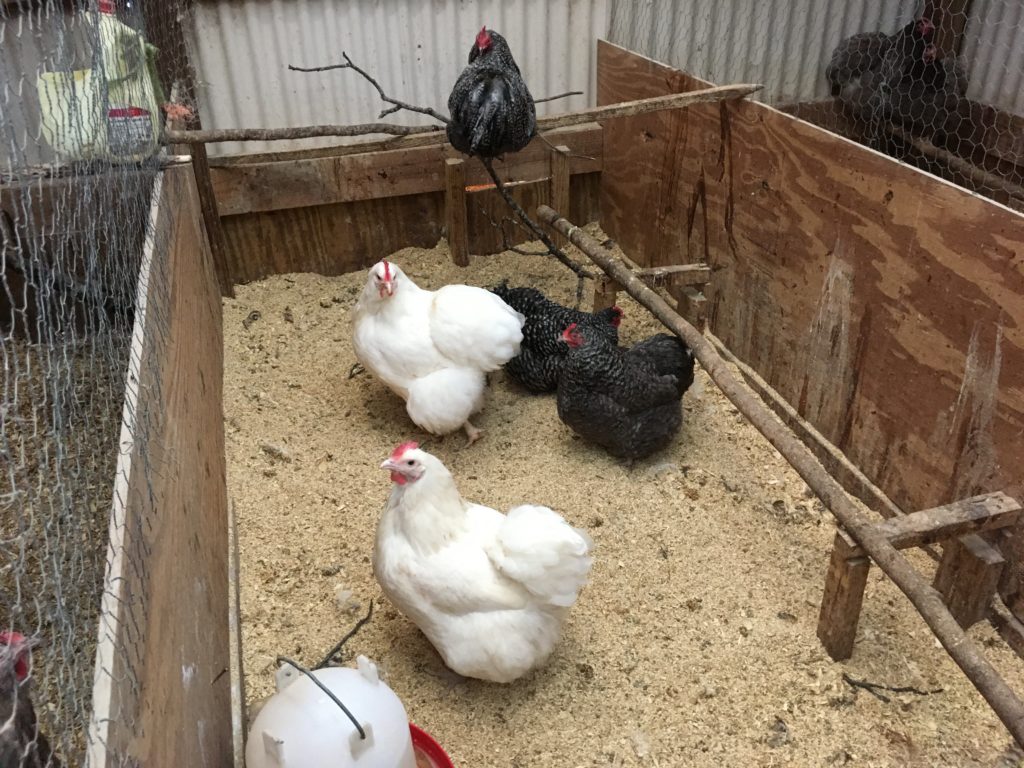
(434,348)
(489,590)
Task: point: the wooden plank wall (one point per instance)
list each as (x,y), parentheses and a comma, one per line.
(336,214)
(162,692)
(886,305)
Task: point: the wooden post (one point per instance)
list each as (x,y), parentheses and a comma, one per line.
(455,210)
(968,581)
(844,595)
(560,186)
(693,305)
(605,291)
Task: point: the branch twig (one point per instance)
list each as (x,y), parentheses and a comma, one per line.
(334,651)
(566,120)
(505,244)
(396,104)
(874,688)
(559,96)
(554,250)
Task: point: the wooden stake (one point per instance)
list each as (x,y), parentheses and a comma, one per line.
(560,185)
(967,581)
(455,210)
(605,293)
(845,582)
(926,600)
(693,305)
(211,218)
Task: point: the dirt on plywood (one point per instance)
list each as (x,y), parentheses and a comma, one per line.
(694,644)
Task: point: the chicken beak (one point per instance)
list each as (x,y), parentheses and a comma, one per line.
(391,465)
(387,288)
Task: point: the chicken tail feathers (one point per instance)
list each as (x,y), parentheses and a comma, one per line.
(539,549)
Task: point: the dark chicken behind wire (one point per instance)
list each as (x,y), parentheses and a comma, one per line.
(627,401)
(492,111)
(541,354)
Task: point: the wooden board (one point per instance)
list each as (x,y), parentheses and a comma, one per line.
(282,184)
(342,237)
(162,688)
(886,305)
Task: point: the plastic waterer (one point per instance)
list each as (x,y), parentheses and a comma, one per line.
(111,114)
(302,727)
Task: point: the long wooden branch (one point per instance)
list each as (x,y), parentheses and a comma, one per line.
(565,120)
(929,604)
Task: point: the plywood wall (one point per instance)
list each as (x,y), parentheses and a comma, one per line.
(885,304)
(162,689)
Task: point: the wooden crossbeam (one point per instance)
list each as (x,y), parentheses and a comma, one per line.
(967,576)
(987,512)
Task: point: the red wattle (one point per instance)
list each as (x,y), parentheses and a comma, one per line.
(398,477)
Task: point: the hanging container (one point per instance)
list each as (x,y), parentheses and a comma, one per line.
(364,725)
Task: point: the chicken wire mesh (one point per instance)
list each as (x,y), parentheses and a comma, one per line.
(937,84)
(81,90)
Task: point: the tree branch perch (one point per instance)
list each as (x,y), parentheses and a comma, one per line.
(565,120)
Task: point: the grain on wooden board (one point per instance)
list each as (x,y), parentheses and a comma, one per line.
(695,638)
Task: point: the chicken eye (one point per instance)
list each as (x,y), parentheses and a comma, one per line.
(410,462)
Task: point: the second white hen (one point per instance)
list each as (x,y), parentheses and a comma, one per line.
(434,348)
(489,590)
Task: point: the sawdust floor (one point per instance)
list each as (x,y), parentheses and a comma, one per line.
(694,643)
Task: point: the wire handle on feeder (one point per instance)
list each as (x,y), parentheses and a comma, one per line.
(325,689)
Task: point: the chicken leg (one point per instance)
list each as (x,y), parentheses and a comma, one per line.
(472,433)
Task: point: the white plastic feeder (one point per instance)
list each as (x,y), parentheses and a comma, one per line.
(301,727)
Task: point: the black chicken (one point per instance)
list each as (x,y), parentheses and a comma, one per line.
(928,98)
(627,401)
(541,354)
(861,64)
(22,744)
(492,111)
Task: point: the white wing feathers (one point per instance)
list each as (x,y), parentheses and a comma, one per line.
(474,328)
(541,551)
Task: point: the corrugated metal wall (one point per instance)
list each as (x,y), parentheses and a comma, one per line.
(414,48)
(994,49)
(786,44)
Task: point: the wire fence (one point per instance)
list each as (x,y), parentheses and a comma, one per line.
(938,84)
(82,89)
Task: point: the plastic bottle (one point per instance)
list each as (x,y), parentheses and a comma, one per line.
(112,113)
(133,115)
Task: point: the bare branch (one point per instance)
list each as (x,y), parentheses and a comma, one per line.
(304,132)
(595,114)
(397,105)
(558,96)
(554,250)
(505,244)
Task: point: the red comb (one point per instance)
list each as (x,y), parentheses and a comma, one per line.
(16,640)
(410,446)
(387,270)
(483,38)
(571,328)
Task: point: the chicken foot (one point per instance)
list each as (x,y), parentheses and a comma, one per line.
(472,433)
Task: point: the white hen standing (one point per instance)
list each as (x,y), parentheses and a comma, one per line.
(490,591)
(434,348)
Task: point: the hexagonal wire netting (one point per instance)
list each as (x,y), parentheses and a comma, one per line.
(81,94)
(936,83)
